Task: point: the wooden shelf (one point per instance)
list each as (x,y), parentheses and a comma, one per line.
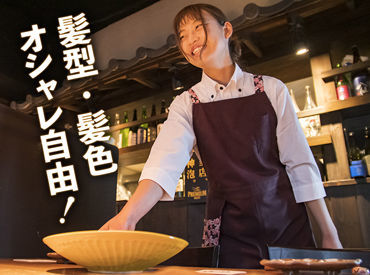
(134,123)
(136,154)
(319,140)
(336,105)
(330,75)
(346,182)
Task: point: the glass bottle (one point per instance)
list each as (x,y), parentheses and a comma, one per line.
(132,135)
(124,132)
(116,119)
(342,87)
(367,141)
(179,193)
(309,104)
(163,110)
(152,129)
(143,128)
(295,105)
(360,79)
(366,158)
(354,150)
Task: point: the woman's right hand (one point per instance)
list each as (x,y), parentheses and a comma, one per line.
(145,197)
(119,222)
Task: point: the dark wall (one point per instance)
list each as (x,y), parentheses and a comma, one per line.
(27,210)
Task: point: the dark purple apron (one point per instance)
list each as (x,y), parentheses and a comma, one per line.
(250,201)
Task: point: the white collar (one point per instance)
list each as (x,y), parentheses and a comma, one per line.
(208,87)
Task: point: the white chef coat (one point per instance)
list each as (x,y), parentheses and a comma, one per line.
(173,147)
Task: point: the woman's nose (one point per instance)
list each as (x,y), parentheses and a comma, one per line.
(193,38)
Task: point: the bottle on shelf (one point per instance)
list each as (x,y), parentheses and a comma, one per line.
(310,103)
(116,119)
(124,132)
(354,150)
(360,79)
(163,110)
(366,157)
(342,87)
(152,127)
(143,128)
(367,141)
(180,189)
(295,105)
(132,134)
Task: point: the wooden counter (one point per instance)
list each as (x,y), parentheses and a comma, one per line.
(10,267)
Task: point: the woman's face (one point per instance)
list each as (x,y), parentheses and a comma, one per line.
(196,49)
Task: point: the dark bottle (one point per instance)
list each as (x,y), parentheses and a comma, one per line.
(360,79)
(343,90)
(143,128)
(367,141)
(132,135)
(152,129)
(163,110)
(354,150)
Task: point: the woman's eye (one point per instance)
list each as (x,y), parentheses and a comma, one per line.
(198,26)
(181,37)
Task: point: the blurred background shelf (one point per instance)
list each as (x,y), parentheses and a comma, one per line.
(138,122)
(330,75)
(337,105)
(136,154)
(319,140)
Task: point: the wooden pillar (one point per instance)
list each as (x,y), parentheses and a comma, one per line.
(324,92)
(335,154)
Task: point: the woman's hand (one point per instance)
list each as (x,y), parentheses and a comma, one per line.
(119,222)
(145,197)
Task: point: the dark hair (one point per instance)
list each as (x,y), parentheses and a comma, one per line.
(195,12)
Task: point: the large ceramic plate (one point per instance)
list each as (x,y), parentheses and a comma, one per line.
(311,264)
(115,251)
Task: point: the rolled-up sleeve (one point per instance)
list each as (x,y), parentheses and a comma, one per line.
(172,149)
(294,150)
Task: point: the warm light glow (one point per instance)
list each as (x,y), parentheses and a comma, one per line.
(86,95)
(302,51)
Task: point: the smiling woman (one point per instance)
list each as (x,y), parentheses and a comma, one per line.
(242,125)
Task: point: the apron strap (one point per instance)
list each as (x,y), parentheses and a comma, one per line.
(193,96)
(258,84)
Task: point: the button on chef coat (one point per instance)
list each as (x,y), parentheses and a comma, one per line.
(173,147)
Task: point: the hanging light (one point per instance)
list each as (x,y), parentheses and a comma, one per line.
(176,84)
(299,42)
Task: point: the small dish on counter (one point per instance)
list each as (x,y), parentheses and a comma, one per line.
(327,265)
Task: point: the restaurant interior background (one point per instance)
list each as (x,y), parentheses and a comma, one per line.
(140,65)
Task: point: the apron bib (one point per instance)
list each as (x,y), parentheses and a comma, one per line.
(250,201)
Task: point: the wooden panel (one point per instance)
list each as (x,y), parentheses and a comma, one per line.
(324,91)
(345,215)
(363,204)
